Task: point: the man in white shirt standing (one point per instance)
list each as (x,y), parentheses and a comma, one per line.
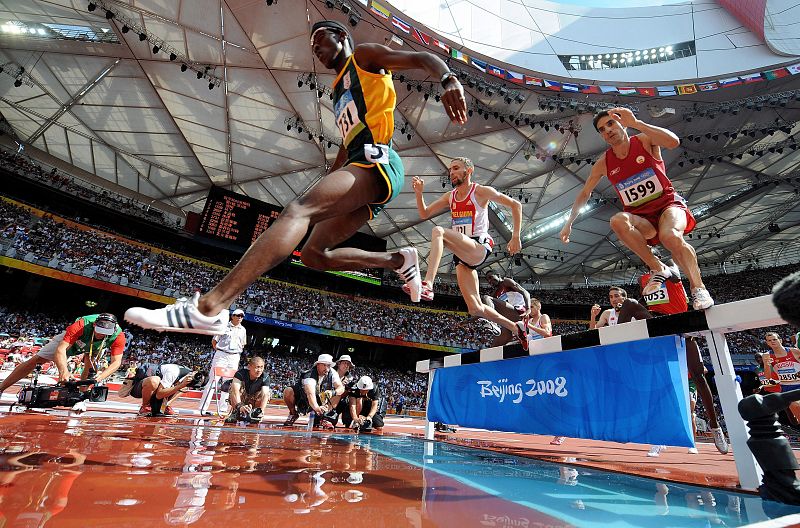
(227,351)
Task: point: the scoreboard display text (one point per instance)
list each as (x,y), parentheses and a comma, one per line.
(236,218)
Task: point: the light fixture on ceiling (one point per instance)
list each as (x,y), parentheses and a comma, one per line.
(92,6)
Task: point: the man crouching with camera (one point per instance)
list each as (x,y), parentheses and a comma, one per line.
(92,336)
(159,385)
(367,407)
(249,392)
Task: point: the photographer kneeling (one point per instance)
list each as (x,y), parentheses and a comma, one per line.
(159,385)
(368,406)
(92,336)
(249,392)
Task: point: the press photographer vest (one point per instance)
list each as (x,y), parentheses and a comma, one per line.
(86,341)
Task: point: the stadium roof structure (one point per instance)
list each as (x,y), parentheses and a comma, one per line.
(166,98)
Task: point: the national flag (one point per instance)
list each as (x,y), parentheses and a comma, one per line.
(478,64)
(727,83)
(771,75)
(399,24)
(666,91)
(627,91)
(570,87)
(514,77)
(708,86)
(590,89)
(649,92)
(687,89)
(438,43)
(421,37)
(751,78)
(379,10)
(533,81)
(794,69)
(494,70)
(459,56)
(609,89)
(552,85)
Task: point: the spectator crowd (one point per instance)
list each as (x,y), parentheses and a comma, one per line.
(25,166)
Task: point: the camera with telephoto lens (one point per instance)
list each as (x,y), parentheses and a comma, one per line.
(198,381)
(64,394)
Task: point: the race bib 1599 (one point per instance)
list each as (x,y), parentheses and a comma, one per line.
(640,188)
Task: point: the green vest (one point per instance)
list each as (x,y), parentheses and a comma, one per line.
(86,341)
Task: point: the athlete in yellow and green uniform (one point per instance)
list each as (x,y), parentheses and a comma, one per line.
(366,175)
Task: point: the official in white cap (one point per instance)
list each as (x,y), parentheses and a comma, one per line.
(228,349)
(367,407)
(317,389)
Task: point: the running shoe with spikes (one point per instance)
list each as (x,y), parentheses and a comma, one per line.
(182,316)
(522,334)
(409,272)
(291,420)
(557,440)
(719,440)
(701,299)
(656,450)
(491,326)
(426,293)
(655,281)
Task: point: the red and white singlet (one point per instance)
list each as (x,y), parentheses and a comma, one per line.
(788,370)
(640,180)
(512,297)
(468,217)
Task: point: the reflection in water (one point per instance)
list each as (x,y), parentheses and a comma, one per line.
(94,470)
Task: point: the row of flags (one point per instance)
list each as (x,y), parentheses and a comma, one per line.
(558,86)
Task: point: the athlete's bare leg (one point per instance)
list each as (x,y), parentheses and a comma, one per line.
(507,311)
(461,245)
(468,284)
(634,231)
(341,194)
(671,226)
(695,364)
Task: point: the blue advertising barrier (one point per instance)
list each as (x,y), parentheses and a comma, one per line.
(626,392)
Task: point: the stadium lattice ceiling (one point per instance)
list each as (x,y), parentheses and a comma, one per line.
(111,102)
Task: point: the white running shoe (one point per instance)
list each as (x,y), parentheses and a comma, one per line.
(656,450)
(183,316)
(491,326)
(80,407)
(692,451)
(719,440)
(557,440)
(701,299)
(655,281)
(409,272)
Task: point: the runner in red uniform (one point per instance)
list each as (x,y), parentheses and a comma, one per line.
(670,298)
(652,211)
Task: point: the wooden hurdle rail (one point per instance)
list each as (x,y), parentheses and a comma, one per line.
(712,324)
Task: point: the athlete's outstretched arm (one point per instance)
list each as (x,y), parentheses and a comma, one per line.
(659,137)
(486,193)
(377,57)
(511,284)
(425,212)
(598,171)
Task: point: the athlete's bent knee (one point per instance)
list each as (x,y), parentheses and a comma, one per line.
(437,232)
(314,258)
(620,222)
